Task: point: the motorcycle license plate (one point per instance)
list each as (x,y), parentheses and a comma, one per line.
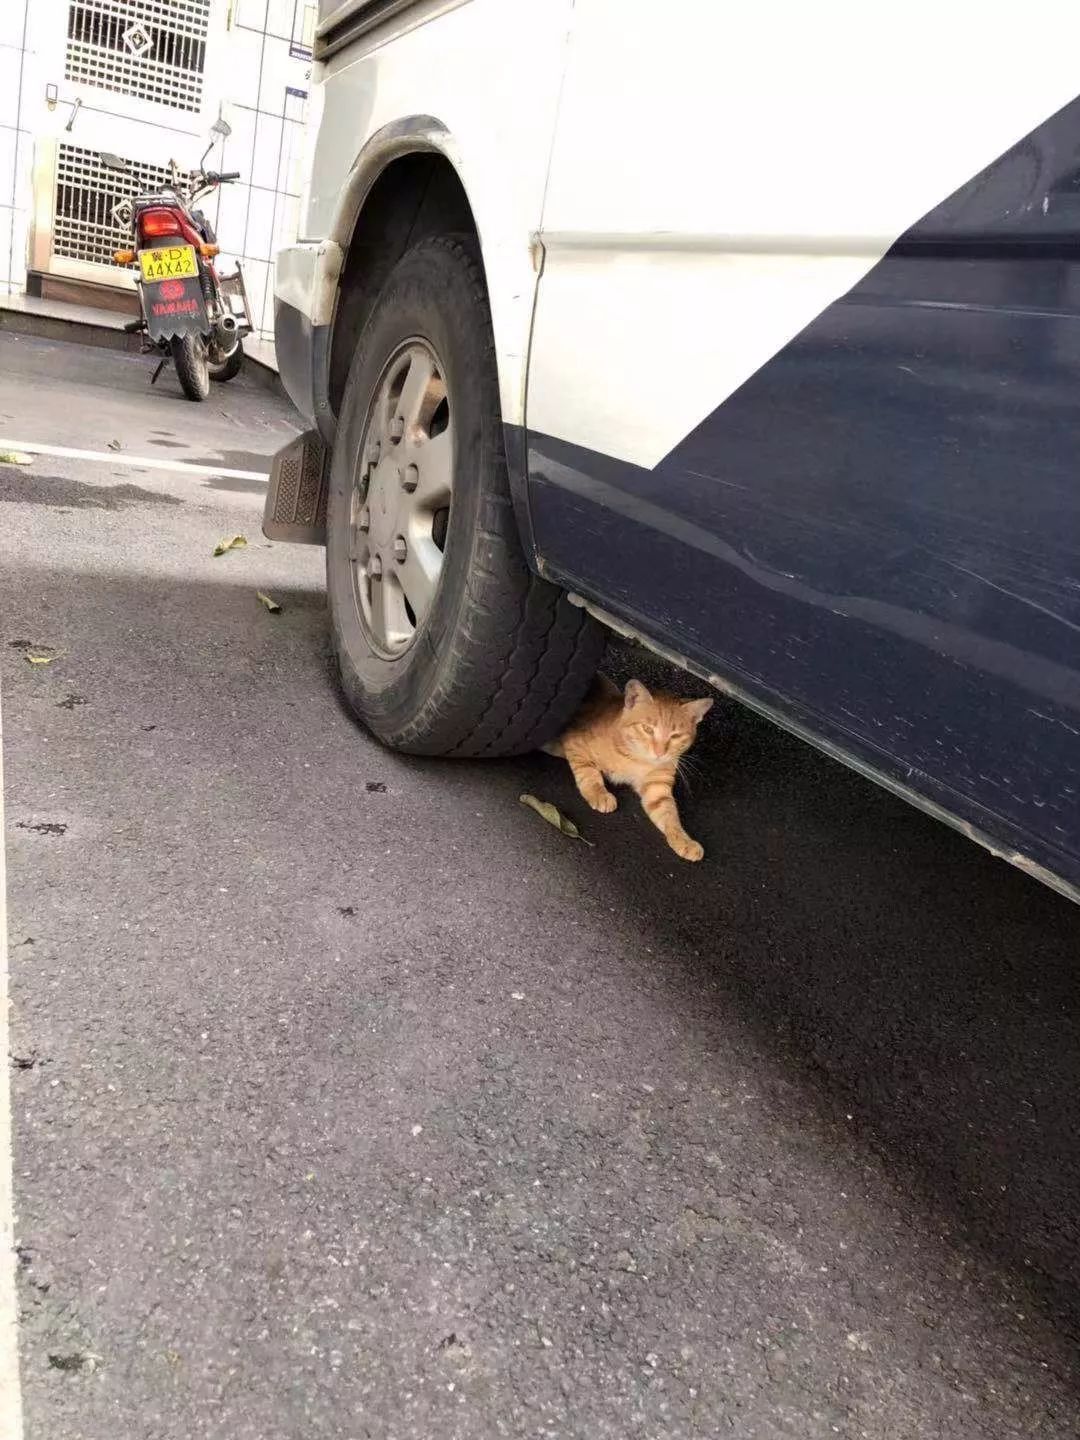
(168,262)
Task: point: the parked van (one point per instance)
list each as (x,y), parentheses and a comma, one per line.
(748,330)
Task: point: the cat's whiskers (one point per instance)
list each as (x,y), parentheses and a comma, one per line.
(688,771)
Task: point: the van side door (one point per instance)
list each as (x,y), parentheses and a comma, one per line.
(802,399)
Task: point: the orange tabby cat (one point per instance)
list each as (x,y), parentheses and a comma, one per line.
(633,738)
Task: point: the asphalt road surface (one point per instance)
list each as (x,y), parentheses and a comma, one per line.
(351,1100)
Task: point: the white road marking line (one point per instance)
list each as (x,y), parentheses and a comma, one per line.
(11,1427)
(121,459)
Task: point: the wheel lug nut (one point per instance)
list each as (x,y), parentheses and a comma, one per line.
(397,428)
(400,549)
(364,521)
(410,477)
(375,568)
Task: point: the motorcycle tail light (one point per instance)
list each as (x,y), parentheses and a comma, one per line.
(153,223)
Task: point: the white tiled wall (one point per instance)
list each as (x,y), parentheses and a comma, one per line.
(15,144)
(267,105)
(264,63)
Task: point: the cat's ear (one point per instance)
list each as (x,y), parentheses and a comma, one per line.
(697,709)
(634,694)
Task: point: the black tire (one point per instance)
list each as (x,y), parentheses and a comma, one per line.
(192,365)
(503,659)
(230,367)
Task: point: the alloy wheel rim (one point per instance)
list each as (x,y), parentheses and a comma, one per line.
(400,506)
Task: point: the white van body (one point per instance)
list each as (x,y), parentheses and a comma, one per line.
(784,301)
(680,171)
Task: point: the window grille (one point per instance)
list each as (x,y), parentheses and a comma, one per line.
(151,49)
(87,192)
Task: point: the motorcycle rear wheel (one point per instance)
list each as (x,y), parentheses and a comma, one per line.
(230,366)
(192,365)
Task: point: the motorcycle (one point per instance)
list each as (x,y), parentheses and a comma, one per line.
(187,311)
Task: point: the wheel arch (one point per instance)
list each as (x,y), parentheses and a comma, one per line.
(404,185)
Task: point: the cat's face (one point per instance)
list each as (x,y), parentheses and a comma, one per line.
(659,727)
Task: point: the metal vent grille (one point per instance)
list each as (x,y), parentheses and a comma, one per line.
(152,49)
(86,192)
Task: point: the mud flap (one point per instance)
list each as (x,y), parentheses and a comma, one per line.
(296,500)
(175,307)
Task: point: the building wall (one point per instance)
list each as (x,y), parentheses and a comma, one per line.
(257,62)
(16,143)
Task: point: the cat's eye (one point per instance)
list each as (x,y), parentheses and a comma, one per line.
(679,735)
(649,729)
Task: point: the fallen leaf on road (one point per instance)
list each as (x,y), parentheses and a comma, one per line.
(553,816)
(35,654)
(271,605)
(236,543)
(115,445)
(15,457)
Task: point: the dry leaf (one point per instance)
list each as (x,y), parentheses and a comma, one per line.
(553,816)
(15,457)
(39,659)
(271,605)
(236,543)
(115,445)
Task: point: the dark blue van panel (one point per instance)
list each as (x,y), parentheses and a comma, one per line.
(879,532)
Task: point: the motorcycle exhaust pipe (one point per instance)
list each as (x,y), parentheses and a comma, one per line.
(225,336)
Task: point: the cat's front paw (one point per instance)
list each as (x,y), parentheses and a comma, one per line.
(605,802)
(686,848)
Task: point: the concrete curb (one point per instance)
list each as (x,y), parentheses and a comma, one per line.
(54,327)
(109,337)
